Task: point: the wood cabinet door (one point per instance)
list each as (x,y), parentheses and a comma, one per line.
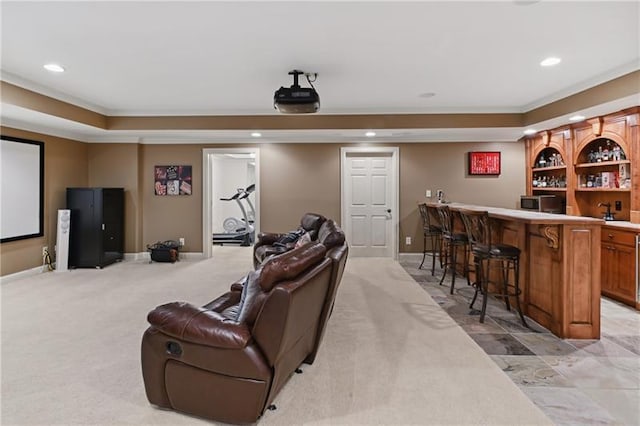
(624,279)
(608,268)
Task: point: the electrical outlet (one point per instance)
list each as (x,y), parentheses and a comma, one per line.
(407,241)
(428,193)
(181,242)
(45,250)
(618,205)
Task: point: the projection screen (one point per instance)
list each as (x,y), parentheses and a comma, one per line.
(21,189)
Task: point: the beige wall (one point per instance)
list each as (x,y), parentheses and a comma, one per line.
(65,166)
(171,217)
(295,178)
(444,166)
(116,166)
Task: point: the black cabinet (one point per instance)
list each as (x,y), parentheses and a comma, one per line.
(97,226)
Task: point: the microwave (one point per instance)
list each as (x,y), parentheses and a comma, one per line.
(541,203)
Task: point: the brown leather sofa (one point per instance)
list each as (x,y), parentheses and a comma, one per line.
(229,359)
(327,232)
(268,243)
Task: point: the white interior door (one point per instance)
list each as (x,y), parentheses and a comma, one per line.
(369,203)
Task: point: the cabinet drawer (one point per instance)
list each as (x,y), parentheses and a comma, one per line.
(618,237)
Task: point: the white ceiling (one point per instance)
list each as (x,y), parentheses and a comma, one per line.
(218,58)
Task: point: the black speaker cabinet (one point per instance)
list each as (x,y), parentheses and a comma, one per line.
(97,226)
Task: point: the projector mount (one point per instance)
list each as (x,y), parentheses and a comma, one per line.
(296,73)
(296,99)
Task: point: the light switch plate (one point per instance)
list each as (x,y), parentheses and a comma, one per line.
(428,193)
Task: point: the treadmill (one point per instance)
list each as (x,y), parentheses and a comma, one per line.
(241,236)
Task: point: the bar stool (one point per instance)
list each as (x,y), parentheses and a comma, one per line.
(485,253)
(452,241)
(431,229)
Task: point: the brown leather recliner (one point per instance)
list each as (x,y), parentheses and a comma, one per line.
(332,237)
(264,245)
(229,359)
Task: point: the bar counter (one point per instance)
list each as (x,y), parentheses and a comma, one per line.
(559,266)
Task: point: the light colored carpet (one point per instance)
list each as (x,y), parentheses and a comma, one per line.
(71,350)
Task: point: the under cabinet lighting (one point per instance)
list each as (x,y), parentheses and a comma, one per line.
(370,134)
(256,134)
(530,131)
(577,118)
(551,61)
(54,67)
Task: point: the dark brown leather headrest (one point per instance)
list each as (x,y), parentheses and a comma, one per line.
(312,221)
(279,268)
(330,234)
(290,264)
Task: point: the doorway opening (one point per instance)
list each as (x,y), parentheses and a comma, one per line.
(230,197)
(369,200)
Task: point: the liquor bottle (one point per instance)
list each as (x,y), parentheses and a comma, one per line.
(542,162)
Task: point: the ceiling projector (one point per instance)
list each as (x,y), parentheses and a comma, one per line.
(296,99)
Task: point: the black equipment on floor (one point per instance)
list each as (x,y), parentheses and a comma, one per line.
(164,251)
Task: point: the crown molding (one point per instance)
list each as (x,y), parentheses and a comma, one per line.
(583,85)
(52,93)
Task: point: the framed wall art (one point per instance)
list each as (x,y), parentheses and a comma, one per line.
(172,180)
(484,163)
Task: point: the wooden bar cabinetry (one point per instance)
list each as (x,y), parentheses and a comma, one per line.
(579,180)
(548,156)
(618,248)
(601,157)
(560,269)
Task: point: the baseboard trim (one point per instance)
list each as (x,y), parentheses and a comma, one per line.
(127,257)
(409,256)
(23,274)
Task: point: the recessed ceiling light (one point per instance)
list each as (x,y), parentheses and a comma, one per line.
(370,134)
(256,134)
(426,95)
(577,118)
(530,131)
(54,68)
(550,61)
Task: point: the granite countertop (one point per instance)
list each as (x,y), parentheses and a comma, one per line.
(623,224)
(529,216)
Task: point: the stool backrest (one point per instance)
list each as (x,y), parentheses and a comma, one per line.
(430,219)
(434,217)
(477,226)
(446,219)
(424,214)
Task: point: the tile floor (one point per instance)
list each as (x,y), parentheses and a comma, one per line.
(575,382)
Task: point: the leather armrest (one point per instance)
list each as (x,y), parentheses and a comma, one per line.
(228,299)
(189,323)
(237,287)
(267,238)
